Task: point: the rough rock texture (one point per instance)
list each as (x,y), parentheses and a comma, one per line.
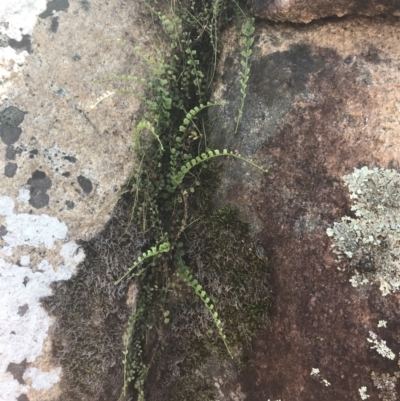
(61,162)
(305,11)
(321,100)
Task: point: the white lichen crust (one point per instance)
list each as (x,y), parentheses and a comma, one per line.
(386,385)
(363,393)
(370,241)
(380,346)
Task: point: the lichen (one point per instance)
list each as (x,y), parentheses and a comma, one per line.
(369,241)
(380,346)
(363,393)
(386,385)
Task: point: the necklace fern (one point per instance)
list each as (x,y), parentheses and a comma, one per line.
(248,40)
(152,252)
(180,175)
(198,289)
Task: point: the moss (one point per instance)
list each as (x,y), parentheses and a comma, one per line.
(233,272)
(92,313)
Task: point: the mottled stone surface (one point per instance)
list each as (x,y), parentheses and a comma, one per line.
(304,11)
(62,162)
(321,100)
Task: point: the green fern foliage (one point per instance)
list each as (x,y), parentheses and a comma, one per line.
(247,32)
(194,112)
(152,252)
(170,142)
(199,291)
(146,125)
(177,179)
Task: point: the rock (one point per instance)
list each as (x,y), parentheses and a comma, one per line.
(63,164)
(321,100)
(304,11)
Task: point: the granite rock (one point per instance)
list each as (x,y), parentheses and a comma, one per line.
(304,11)
(322,99)
(62,162)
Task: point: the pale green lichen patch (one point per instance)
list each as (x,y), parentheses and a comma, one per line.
(369,242)
(386,385)
(363,393)
(380,346)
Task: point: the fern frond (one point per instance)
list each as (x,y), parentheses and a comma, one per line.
(153,251)
(129,78)
(102,97)
(198,289)
(144,124)
(192,113)
(180,175)
(247,32)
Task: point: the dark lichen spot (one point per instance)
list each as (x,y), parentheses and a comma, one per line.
(76,57)
(71,159)
(9,134)
(60,92)
(11,116)
(33,153)
(54,24)
(17,370)
(70,205)
(298,63)
(11,152)
(23,397)
(24,44)
(348,59)
(85,184)
(23,309)
(38,199)
(54,5)
(10,169)
(3,231)
(66,174)
(40,180)
(39,183)
(373,55)
(85,5)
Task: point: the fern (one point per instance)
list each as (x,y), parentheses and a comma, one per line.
(192,63)
(216,11)
(102,97)
(192,113)
(153,251)
(178,177)
(198,289)
(248,40)
(176,81)
(129,368)
(144,124)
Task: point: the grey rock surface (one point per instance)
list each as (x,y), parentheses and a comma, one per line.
(62,162)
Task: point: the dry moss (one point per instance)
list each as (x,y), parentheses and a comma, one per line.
(233,272)
(92,313)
